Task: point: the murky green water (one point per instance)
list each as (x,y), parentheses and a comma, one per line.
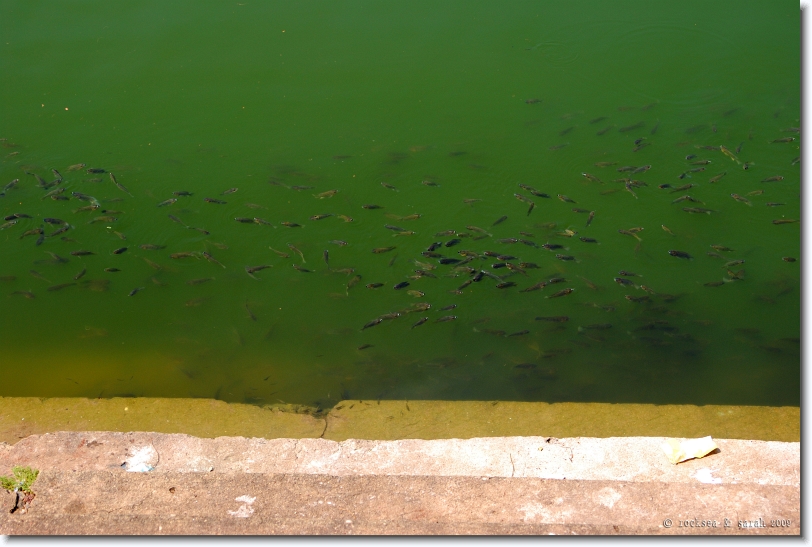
(286,101)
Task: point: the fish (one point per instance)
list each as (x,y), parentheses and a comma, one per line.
(717,178)
(299,268)
(352,282)
(82,253)
(27,294)
(784,139)
(60,286)
(701,162)
(788,259)
(747,165)
(683,188)
(257,220)
(686,197)
(554,318)
(338,242)
(733,263)
(184,194)
(295,250)
(629,233)
(327,194)
(379,250)
(152,264)
(519,333)
(420,322)
(389,186)
(567,199)
(714,284)
(632,127)
(371,206)
(251,270)
(394,228)
(211,259)
(680,254)
(199,281)
(773,179)
(120,250)
(96,170)
(470,201)
(374,285)
(737,197)
(604,130)
(605,163)
(321,217)
(774,204)
(401,285)
(563,292)
(176,219)
(698,210)
(592,178)
(505,285)
(500,220)
(187,254)
(112,270)
(641,169)
(729,154)
(82,273)
(413,216)
(168,202)
(641,146)
(280,253)
(564,257)
(376,321)
(416,294)
(9,224)
(135,291)
(446,318)
(290,224)
(229,191)
(76,167)
(637,299)
(430,183)
(119,185)
(755,193)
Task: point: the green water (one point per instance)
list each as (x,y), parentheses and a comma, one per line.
(472,97)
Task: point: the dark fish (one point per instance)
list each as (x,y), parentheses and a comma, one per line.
(290,224)
(389,186)
(60,286)
(430,183)
(450,261)
(555,318)
(552,246)
(637,299)
(217,201)
(352,282)
(564,257)
(420,322)
(95,170)
(604,130)
(563,292)
(500,220)
(337,242)
(641,169)
(112,270)
(119,185)
(176,219)
(632,127)
(27,294)
(567,199)
(299,268)
(244,220)
(80,274)
(199,281)
(519,333)
(326,256)
(718,177)
(588,240)
(229,191)
(774,204)
(401,285)
(261,221)
(182,193)
(714,284)
(372,206)
(57,221)
(168,202)
(505,285)
(135,291)
(211,259)
(773,179)
(680,254)
(120,250)
(327,194)
(82,253)
(788,259)
(380,250)
(374,285)
(698,210)
(372,323)
(785,139)
(622,281)
(785,221)
(446,318)
(453,242)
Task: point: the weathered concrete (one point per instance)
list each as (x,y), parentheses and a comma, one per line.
(390,420)
(454,486)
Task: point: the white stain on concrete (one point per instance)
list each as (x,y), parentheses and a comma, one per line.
(706,475)
(142,459)
(245,510)
(607,497)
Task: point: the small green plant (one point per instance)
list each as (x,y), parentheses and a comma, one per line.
(22,480)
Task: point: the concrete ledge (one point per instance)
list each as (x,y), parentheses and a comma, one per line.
(454,486)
